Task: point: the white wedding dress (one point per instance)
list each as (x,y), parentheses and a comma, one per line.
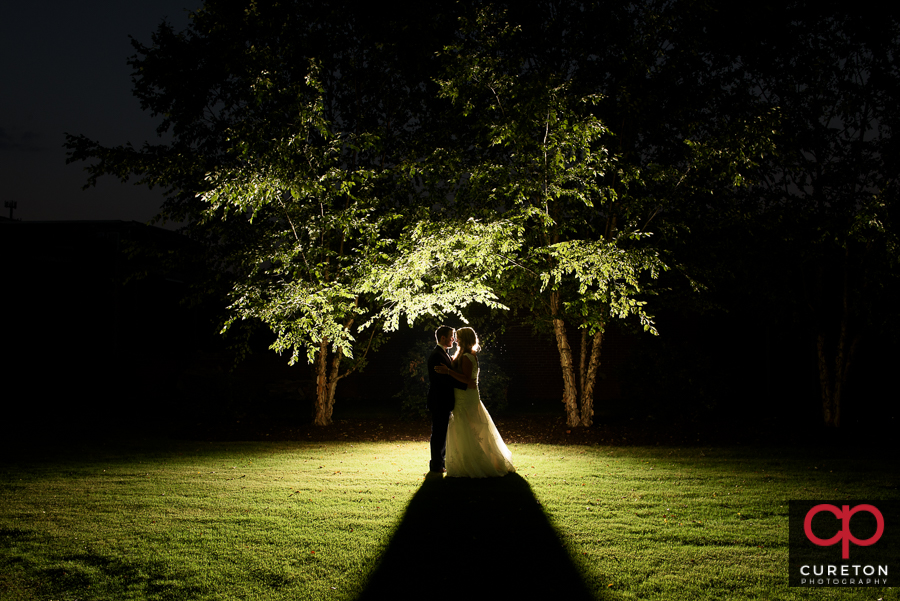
(474,447)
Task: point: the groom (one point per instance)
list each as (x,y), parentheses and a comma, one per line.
(440,396)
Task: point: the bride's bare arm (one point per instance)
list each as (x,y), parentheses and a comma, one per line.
(465,377)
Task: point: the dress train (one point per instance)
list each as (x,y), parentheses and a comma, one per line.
(474,446)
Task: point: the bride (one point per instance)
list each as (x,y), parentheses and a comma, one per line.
(474,447)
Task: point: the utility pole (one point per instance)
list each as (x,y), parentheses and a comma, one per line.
(10,204)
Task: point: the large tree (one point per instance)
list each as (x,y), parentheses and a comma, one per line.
(339,186)
(828,198)
(287,122)
(534,94)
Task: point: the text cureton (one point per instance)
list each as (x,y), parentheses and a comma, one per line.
(843,570)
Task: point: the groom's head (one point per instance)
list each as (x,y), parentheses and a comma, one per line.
(444,336)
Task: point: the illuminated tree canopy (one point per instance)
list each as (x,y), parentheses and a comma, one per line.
(351,169)
(348,180)
(288,122)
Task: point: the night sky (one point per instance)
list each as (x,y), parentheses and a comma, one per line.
(63,69)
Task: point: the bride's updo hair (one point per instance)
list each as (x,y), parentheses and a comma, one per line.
(468,340)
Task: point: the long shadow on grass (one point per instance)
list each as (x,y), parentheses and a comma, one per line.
(473,538)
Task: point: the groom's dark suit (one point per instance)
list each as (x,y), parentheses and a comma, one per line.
(440,402)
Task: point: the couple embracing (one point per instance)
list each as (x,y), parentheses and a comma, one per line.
(463,435)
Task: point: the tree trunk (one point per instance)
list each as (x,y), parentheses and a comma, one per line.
(828,407)
(833,379)
(326,385)
(833,372)
(582,361)
(327,377)
(333,378)
(570,392)
(589,378)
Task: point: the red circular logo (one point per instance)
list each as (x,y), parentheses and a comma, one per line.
(844,514)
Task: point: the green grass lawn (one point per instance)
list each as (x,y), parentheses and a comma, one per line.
(176,520)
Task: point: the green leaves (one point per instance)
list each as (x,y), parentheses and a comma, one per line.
(537,163)
(607,277)
(440,268)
